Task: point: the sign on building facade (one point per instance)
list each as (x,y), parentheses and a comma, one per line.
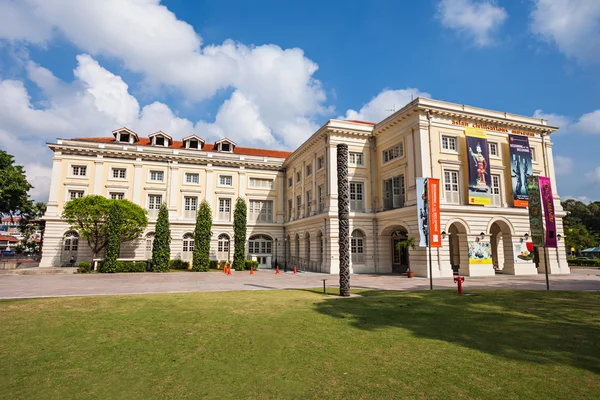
(520,168)
(479,167)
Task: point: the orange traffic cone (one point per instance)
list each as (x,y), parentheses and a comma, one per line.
(225,269)
(251,271)
(277,270)
(295,271)
(228,270)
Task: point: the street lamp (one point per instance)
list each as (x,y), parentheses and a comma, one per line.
(444,235)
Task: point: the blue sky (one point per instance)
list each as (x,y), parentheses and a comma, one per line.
(268,73)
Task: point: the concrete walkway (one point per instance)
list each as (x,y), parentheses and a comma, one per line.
(28,286)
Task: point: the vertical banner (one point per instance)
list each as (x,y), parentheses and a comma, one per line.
(479,167)
(548,205)
(433,190)
(422,211)
(520,168)
(535,211)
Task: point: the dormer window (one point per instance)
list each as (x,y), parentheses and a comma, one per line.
(125,135)
(160,139)
(193,142)
(225,145)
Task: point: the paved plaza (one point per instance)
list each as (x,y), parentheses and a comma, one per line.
(27,286)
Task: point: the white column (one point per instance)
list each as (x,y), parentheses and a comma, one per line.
(242,182)
(280,188)
(294,205)
(333,180)
(209,190)
(138,183)
(98,178)
(303,195)
(315,200)
(172,186)
(55,183)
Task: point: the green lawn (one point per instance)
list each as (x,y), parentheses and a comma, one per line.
(299,344)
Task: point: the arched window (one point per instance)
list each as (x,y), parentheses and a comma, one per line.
(307,246)
(223,247)
(149,240)
(297,247)
(70,246)
(260,244)
(321,247)
(188,246)
(357,247)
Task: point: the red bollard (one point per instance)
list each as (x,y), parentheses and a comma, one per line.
(277,270)
(459,280)
(295,271)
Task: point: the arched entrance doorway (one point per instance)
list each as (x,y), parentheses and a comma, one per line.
(148,242)
(502,247)
(260,248)
(307,261)
(297,250)
(223,244)
(320,253)
(458,247)
(399,253)
(70,247)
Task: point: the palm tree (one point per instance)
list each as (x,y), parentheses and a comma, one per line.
(409,243)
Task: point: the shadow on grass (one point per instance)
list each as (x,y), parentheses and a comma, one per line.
(532,326)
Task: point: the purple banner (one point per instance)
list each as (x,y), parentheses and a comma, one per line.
(548,204)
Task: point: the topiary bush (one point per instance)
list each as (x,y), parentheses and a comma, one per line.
(161,247)
(251,264)
(84,267)
(113,232)
(239,234)
(202,235)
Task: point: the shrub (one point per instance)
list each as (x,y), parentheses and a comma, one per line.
(113,231)
(239,234)
(131,266)
(84,267)
(251,264)
(202,235)
(222,264)
(161,247)
(213,264)
(179,264)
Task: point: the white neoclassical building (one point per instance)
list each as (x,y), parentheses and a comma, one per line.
(292,197)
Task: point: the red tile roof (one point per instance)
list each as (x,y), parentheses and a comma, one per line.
(15,219)
(246,151)
(8,238)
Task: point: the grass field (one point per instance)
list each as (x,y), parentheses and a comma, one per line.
(300,344)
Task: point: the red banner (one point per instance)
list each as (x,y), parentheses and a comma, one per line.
(433,189)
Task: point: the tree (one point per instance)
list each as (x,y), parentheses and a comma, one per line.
(30,224)
(161,247)
(113,247)
(13,186)
(239,235)
(88,215)
(582,224)
(202,235)
(408,243)
(579,238)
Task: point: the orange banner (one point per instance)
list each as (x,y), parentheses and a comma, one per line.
(433,190)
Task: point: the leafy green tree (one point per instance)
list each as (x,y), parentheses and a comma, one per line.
(161,247)
(13,186)
(202,236)
(30,223)
(113,230)
(239,235)
(579,238)
(88,216)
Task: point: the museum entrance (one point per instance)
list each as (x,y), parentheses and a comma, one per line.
(399,253)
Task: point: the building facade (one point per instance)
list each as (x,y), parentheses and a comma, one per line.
(292,197)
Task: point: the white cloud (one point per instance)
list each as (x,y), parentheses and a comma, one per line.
(477,20)
(583,199)
(573,25)
(594,175)
(588,123)
(558,120)
(384,104)
(563,165)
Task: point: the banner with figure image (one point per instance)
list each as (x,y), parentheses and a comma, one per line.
(535,211)
(548,205)
(520,168)
(422,211)
(480,191)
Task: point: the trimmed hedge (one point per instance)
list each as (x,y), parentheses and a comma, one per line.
(125,266)
(214,264)
(179,264)
(251,264)
(84,267)
(583,263)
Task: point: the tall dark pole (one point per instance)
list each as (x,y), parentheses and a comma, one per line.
(430,267)
(546,269)
(343,218)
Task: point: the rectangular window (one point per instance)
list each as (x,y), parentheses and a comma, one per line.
(496,197)
(533,154)
(159,140)
(261,183)
(290,182)
(320,163)
(290,208)
(308,170)
(261,210)
(224,209)
(493,149)
(308,202)
(393,153)
(154,202)
(356,197)
(321,193)
(225,180)
(190,206)
(192,178)
(225,147)
(451,188)
(79,170)
(398,191)
(117,195)
(75,194)
(119,173)
(449,143)
(298,176)
(298,206)
(157,176)
(355,158)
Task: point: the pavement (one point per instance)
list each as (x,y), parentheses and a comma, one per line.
(58,285)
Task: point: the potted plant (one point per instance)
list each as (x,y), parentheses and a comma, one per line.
(409,243)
